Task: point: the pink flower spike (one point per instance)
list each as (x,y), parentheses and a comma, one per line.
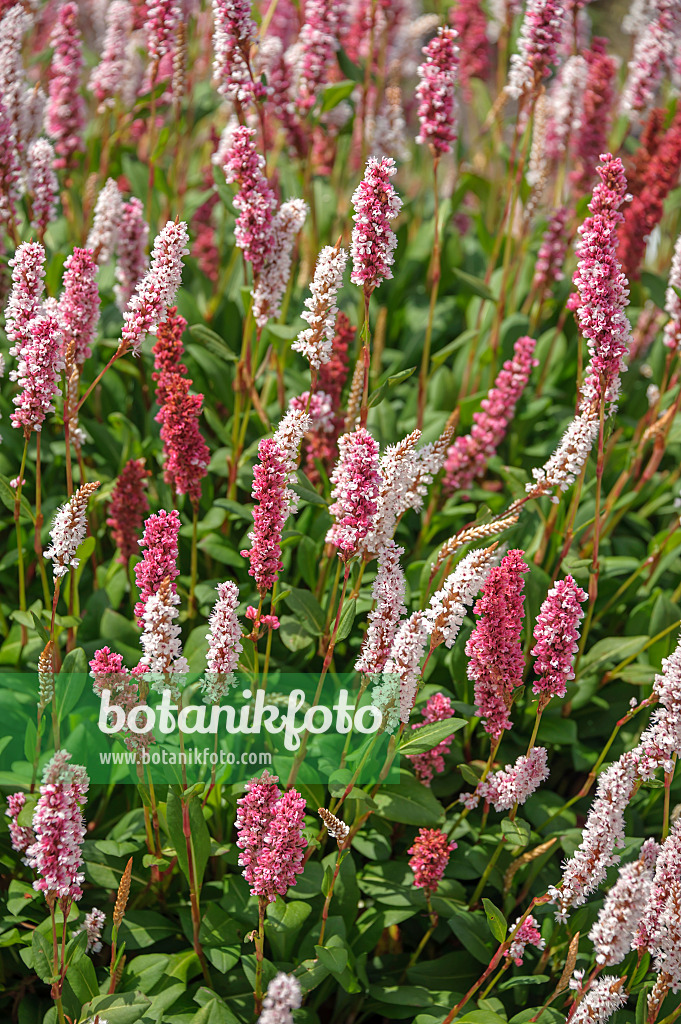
(270,836)
(92,926)
(10,171)
(602,293)
(162,19)
(602,999)
(527,935)
(131,261)
(430,856)
(435,92)
(496,658)
(269,515)
(614,932)
(162,662)
(108,77)
(388,594)
(316,48)
(273,279)
(540,34)
(255,199)
(65,116)
(283,996)
(21,836)
(234,33)
(355,482)
(37,374)
(157,289)
(68,530)
(28,271)
(42,185)
(467,458)
(375,203)
(107,217)
(159,557)
(59,830)
(224,644)
(517,782)
(556,634)
(672,301)
(316,342)
(438,709)
(128,505)
(79,303)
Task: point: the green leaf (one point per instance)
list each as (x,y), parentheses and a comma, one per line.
(428,736)
(142,928)
(410,803)
(8,498)
(334,958)
(212,341)
(25,818)
(293,634)
(200,836)
(381,391)
(470,774)
(517,832)
(473,284)
(126,1008)
(285,918)
(306,492)
(346,620)
(40,628)
(42,957)
(306,606)
(335,93)
(495,920)
(349,69)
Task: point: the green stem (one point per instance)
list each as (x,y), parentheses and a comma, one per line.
(325,667)
(435,284)
(259,953)
(20,542)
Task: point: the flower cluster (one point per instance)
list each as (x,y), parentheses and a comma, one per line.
(255,200)
(388,595)
(68,531)
(224,644)
(131,259)
(127,508)
(617,926)
(438,709)
(602,293)
(435,92)
(429,858)
(59,830)
(516,782)
(39,363)
(79,303)
(355,482)
(540,34)
(65,114)
(469,455)
(375,203)
(496,662)
(157,289)
(528,934)
(283,996)
(270,836)
(233,35)
(556,634)
(186,453)
(159,557)
(269,289)
(316,342)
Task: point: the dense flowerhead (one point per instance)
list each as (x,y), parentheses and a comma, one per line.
(270,836)
(430,854)
(375,203)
